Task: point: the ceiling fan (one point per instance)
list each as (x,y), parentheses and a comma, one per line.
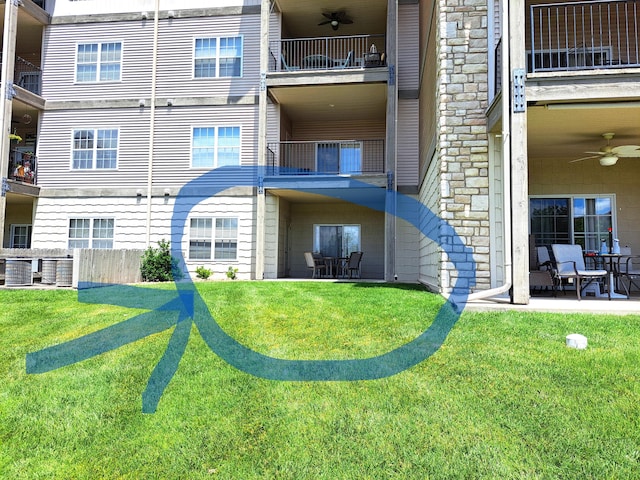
(609,155)
(335,19)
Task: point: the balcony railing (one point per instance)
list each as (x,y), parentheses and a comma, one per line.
(584,35)
(22,167)
(27,75)
(329,53)
(327,157)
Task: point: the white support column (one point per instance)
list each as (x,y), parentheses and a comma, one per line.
(518,168)
(265,13)
(391,137)
(6,96)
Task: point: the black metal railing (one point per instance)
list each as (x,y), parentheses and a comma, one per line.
(27,75)
(22,167)
(329,53)
(497,52)
(584,35)
(326,157)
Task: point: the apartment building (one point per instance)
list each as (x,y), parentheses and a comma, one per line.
(475,109)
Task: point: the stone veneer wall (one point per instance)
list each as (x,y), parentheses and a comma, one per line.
(462,131)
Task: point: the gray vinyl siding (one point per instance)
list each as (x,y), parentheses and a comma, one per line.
(172,159)
(51,225)
(172,151)
(408,142)
(408,47)
(175,58)
(56,138)
(339,130)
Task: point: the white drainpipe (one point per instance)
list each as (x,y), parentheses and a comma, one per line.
(152,118)
(506,155)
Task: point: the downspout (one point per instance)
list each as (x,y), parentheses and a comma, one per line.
(152,118)
(506,156)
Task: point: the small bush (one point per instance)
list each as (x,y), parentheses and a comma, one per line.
(231,273)
(203,273)
(158,265)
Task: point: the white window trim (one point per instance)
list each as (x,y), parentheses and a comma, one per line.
(93,162)
(217,75)
(215,159)
(97,79)
(212,240)
(571,197)
(91,238)
(13,230)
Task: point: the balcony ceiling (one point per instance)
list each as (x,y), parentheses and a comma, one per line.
(29,34)
(567,134)
(301,17)
(330,102)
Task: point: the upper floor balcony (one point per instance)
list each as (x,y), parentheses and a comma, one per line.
(22,167)
(27,75)
(588,35)
(327,157)
(327,53)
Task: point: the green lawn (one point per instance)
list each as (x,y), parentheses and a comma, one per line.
(503,398)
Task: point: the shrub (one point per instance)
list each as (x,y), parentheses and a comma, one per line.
(158,265)
(231,273)
(203,273)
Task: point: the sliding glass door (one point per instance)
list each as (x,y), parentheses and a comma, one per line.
(336,240)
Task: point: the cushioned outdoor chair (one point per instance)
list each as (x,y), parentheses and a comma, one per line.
(570,265)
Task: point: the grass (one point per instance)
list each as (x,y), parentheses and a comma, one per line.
(503,398)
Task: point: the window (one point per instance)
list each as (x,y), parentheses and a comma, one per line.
(98,62)
(218,57)
(583,220)
(91,233)
(20,236)
(224,238)
(215,147)
(339,157)
(336,240)
(94,149)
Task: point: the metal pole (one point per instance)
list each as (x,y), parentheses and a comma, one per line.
(6,95)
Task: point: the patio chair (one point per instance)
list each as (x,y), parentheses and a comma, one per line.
(353,264)
(626,272)
(317,266)
(570,265)
(542,274)
(347,62)
(287,67)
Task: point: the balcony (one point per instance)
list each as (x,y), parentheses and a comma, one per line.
(327,157)
(575,36)
(327,53)
(27,75)
(22,167)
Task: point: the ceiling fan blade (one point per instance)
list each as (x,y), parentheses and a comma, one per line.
(583,158)
(325,22)
(627,151)
(330,16)
(346,21)
(597,153)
